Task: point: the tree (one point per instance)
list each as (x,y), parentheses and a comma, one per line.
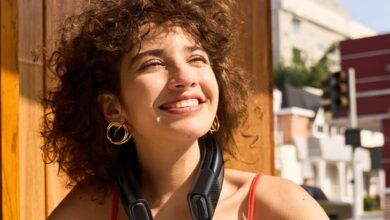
(298,74)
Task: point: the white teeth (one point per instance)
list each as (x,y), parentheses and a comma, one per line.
(184,103)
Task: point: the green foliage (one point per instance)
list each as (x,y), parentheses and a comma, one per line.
(298,74)
(371,204)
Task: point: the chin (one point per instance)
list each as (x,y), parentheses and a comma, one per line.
(195,134)
(194,128)
(191,133)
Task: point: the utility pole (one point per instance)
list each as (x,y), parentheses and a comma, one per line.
(353,124)
(352,98)
(340,96)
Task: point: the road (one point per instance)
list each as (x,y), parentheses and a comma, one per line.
(372,216)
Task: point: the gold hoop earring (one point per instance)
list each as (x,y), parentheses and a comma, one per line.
(112,135)
(215,126)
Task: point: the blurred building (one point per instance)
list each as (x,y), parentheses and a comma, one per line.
(370,57)
(307,28)
(308,147)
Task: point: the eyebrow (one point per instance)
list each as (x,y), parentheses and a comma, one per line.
(159,53)
(194,48)
(155,53)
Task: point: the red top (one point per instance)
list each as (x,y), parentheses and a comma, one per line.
(251,199)
(114,207)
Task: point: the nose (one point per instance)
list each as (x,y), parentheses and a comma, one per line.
(182,77)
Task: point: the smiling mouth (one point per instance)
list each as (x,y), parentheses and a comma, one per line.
(181,104)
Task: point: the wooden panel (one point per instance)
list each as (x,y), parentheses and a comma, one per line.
(255,139)
(32,197)
(56,12)
(9,111)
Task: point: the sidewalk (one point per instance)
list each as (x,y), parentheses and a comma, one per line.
(372,216)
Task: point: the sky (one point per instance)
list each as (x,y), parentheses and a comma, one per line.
(372,13)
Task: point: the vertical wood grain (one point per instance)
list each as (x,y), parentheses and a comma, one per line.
(255,138)
(9,111)
(32,176)
(55,14)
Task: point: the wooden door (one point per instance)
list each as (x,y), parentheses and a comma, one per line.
(9,98)
(31,83)
(254,53)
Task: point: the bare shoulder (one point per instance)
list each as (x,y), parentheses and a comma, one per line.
(78,204)
(237,184)
(278,198)
(233,198)
(238,177)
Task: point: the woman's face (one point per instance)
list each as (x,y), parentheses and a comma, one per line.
(169,90)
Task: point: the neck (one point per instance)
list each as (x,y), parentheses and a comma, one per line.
(167,170)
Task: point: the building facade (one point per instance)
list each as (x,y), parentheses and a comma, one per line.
(308,147)
(370,58)
(307,28)
(306,144)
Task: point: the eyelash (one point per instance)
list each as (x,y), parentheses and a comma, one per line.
(198,58)
(150,64)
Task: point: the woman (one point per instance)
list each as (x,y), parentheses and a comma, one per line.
(156,74)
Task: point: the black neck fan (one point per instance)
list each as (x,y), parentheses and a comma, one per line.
(203,198)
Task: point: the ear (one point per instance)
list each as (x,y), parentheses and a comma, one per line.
(111,107)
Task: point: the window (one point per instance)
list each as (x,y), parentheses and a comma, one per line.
(296,25)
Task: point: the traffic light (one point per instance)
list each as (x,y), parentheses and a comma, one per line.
(336,92)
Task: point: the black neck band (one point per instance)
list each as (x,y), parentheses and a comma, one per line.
(203,198)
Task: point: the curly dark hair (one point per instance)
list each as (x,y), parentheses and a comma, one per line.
(86,63)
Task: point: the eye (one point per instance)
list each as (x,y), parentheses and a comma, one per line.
(151,65)
(198,59)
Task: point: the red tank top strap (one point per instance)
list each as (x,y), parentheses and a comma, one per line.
(251,199)
(114,206)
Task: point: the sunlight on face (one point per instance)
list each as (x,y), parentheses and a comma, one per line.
(168,87)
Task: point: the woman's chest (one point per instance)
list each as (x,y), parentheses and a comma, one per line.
(226,210)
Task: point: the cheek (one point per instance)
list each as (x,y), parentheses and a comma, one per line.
(141,93)
(148,85)
(212,85)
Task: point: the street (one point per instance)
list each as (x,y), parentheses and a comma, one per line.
(372,216)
